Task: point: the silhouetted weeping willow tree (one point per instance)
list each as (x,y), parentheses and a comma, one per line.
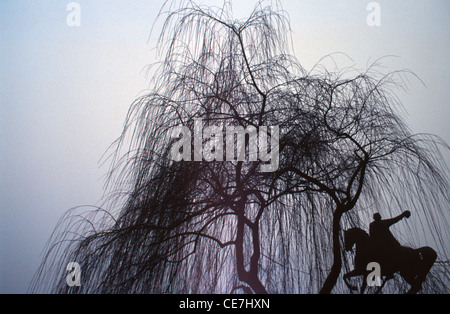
(226,226)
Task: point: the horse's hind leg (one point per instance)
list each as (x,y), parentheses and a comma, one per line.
(382,285)
(416,287)
(428,257)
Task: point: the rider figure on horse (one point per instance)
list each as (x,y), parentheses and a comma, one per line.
(382,247)
(385,244)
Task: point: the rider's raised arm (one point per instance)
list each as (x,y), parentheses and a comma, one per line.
(390,222)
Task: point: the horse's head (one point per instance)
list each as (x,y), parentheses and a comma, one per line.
(352,236)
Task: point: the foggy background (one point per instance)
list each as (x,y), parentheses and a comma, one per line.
(65,91)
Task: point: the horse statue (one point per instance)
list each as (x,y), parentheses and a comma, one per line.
(412,264)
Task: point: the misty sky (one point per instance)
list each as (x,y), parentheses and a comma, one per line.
(65,91)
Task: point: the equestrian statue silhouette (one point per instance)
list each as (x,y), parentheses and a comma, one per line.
(382,247)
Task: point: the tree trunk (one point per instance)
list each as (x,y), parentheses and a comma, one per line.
(249,277)
(330,282)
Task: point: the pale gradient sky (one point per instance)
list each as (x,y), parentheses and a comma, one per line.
(65,91)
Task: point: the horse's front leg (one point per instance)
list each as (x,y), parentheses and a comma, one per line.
(364,285)
(355,272)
